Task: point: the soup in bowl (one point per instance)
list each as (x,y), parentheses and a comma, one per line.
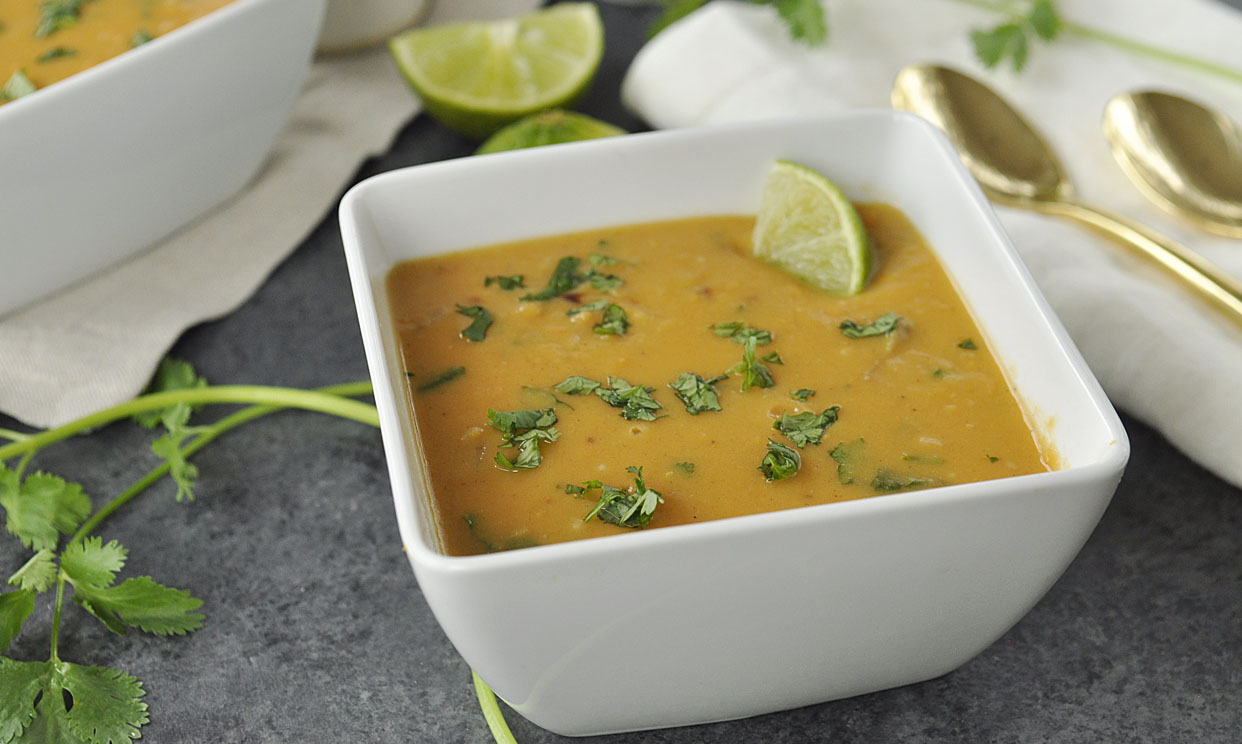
(718,580)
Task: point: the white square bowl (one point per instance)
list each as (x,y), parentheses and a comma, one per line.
(105,163)
(741,616)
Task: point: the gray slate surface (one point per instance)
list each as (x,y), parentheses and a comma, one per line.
(316,630)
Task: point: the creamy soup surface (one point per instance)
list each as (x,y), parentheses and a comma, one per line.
(920,404)
(42,42)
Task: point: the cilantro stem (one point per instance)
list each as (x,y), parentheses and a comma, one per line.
(1124,43)
(60,602)
(208,434)
(491,711)
(268,396)
(15,436)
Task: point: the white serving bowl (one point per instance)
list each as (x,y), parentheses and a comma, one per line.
(100,165)
(741,616)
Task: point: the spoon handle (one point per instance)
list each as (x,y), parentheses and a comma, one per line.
(1202,276)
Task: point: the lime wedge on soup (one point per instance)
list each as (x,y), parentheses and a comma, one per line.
(550,127)
(809,228)
(476,77)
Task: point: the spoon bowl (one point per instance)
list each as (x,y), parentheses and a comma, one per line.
(1016,167)
(1186,157)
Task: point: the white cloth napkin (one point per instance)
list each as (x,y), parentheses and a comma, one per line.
(97,343)
(1161,355)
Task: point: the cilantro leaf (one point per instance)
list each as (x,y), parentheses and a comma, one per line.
(18,85)
(57,14)
(93,562)
(15,607)
(183,472)
(577,385)
(524,430)
(42,508)
(889,480)
(37,574)
(753,373)
(171,374)
(739,332)
(140,603)
(565,277)
(632,508)
(56,53)
(603,282)
(802,394)
(1011,40)
(847,455)
(780,462)
(696,394)
(686,468)
(614,322)
(968,344)
(881,326)
(107,706)
(517,281)
(635,401)
(452,373)
(806,427)
(140,37)
(599,259)
(806,20)
(477,330)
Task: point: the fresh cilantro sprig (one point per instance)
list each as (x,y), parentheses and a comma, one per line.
(881,326)
(1043,19)
(806,20)
(61,701)
(1011,39)
(754,374)
(613,321)
(481,320)
(696,393)
(780,462)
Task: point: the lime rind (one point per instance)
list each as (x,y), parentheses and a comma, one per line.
(550,127)
(808,227)
(476,77)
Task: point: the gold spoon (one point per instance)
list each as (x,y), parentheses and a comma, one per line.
(1017,168)
(1184,156)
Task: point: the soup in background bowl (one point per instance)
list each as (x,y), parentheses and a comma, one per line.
(104,163)
(750,614)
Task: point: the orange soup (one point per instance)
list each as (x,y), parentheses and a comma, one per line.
(658,374)
(43,41)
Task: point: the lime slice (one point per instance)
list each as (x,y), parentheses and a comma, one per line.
(476,77)
(547,128)
(809,228)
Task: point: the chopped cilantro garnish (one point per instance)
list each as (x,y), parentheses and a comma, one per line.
(968,344)
(802,394)
(614,321)
(773,358)
(57,14)
(477,330)
(753,373)
(938,373)
(620,507)
(599,259)
(516,281)
(524,430)
(452,373)
(780,462)
(697,394)
(18,85)
(927,459)
(56,53)
(888,480)
(576,385)
(992,458)
(565,277)
(140,37)
(881,326)
(635,401)
(686,468)
(740,332)
(603,282)
(806,427)
(846,455)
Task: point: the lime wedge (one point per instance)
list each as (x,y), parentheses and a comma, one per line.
(476,77)
(547,128)
(809,228)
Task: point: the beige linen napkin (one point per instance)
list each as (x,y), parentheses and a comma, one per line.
(97,343)
(1160,354)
